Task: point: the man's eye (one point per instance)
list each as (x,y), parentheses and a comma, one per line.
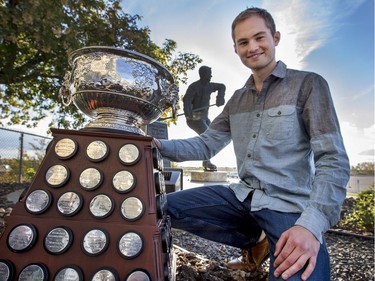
(259,38)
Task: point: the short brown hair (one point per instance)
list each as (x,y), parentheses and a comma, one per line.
(270,23)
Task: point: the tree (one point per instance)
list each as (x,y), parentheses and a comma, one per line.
(365,168)
(35,39)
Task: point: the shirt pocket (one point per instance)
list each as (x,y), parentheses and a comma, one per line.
(279,122)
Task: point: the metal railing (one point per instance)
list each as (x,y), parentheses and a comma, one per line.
(20,155)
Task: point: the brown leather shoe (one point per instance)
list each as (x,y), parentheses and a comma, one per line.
(251,258)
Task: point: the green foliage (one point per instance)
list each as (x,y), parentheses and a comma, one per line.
(31,160)
(12,171)
(35,39)
(365,168)
(363,213)
(29,168)
(30,173)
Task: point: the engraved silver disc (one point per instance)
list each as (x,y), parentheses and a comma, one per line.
(57,175)
(6,270)
(97,150)
(69,203)
(129,154)
(123,181)
(130,245)
(132,208)
(22,237)
(95,242)
(58,240)
(38,201)
(101,206)
(37,272)
(69,273)
(90,178)
(138,275)
(105,274)
(66,148)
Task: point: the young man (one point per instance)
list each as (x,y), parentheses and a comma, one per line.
(197,102)
(291,161)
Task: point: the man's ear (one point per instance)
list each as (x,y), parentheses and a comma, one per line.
(235,49)
(277,38)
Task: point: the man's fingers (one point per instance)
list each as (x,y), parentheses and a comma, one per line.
(280,244)
(309,269)
(286,260)
(292,265)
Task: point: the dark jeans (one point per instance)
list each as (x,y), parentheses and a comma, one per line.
(214,213)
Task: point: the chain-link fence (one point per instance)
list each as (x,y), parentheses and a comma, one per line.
(20,155)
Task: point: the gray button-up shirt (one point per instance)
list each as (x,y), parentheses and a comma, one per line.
(287,143)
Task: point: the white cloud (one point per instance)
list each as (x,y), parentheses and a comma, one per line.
(359,142)
(306,25)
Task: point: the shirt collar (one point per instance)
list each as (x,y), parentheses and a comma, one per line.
(279,71)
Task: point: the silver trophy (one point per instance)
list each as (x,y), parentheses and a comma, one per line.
(121,90)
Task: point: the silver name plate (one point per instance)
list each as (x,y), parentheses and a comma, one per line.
(69,203)
(130,245)
(66,148)
(22,237)
(129,154)
(101,206)
(97,150)
(58,240)
(34,272)
(69,273)
(38,201)
(105,274)
(91,178)
(95,242)
(123,181)
(132,208)
(57,175)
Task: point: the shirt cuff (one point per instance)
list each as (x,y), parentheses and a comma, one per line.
(314,221)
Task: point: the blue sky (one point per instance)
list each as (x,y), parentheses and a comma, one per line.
(334,38)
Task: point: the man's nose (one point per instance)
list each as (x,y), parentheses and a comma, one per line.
(253,46)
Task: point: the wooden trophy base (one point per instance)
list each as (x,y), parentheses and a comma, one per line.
(96,208)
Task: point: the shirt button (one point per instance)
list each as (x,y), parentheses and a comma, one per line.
(254,136)
(258,114)
(279,113)
(249,155)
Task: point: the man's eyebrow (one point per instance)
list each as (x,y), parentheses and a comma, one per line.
(260,33)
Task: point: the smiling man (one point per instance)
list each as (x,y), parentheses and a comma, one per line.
(291,162)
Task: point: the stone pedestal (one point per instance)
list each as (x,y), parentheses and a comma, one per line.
(203,176)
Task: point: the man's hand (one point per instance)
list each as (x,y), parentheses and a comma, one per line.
(296,247)
(220,101)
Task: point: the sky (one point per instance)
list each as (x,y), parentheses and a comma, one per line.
(333,38)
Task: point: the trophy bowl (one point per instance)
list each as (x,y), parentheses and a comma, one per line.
(121,90)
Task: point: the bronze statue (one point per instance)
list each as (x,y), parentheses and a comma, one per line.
(197,102)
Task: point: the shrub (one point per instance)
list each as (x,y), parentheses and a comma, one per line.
(30,174)
(363,213)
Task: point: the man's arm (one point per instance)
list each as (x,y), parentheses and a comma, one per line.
(220,88)
(300,244)
(188,100)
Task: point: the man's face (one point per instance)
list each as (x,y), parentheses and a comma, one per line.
(254,43)
(206,75)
